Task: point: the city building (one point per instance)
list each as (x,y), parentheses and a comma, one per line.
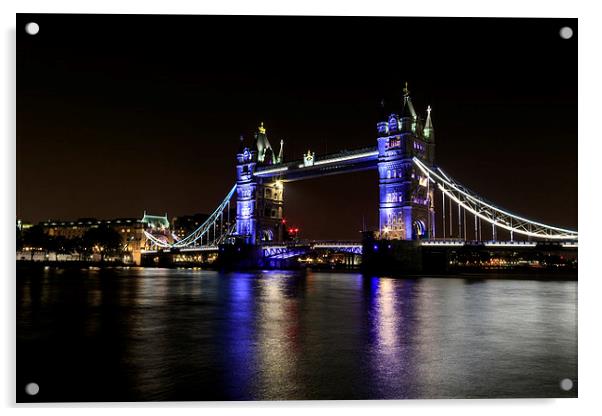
(185,224)
(131,230)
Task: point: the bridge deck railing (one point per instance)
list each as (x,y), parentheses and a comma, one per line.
(294,164)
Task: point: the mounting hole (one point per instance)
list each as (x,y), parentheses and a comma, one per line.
(566,32)
(32,389)
(32,28)
(566,384)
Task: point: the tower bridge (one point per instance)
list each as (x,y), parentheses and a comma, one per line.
(410,188)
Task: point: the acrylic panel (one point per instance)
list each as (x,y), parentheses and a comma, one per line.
(295,208)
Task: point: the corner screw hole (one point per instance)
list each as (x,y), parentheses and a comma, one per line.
(566,384)
(32,389)
(32,28)
(566,32)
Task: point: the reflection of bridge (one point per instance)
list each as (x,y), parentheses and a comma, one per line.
(410,184)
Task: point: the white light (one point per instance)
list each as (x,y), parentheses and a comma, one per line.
(326,245)
(202,248)
(443,243)
(344,158)
(509,244)
(268,171)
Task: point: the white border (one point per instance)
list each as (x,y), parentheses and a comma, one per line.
(590,96)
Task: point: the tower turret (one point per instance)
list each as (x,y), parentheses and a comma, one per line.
(281,152)
(407,118)
(263,146)
(429,131)
(241,145)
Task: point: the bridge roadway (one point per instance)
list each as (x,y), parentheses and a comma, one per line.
(273,250)
(295,248)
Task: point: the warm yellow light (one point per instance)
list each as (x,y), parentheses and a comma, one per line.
(279,184)
(386,229)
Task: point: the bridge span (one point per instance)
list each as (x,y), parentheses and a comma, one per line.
(311,166)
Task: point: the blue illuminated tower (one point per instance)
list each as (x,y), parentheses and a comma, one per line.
(406,210)
(246,188)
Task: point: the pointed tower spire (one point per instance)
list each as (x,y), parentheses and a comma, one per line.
(408,108)
(382,112)
(429,131)
(280,153)
(241,145)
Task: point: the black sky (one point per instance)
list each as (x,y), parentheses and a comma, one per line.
(118,114)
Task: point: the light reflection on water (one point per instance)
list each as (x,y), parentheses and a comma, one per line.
(156,334)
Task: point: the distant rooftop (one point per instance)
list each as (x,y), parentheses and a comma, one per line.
(155,221)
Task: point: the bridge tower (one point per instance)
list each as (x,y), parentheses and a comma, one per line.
(259,201)
(246,190)
(406,210)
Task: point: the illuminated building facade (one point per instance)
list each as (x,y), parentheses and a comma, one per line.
(406,209)
(131,231)
(128,228)
(259,200)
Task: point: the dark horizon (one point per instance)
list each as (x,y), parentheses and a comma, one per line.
(147,115)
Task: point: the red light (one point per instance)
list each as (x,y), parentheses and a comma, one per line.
(283,221)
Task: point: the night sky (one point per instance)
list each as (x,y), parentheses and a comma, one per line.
(121,114)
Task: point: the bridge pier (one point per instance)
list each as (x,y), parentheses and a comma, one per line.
(239,256)
(391,256)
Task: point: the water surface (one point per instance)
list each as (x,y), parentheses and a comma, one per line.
(159,334)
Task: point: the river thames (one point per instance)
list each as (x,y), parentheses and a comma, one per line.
(165,334)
